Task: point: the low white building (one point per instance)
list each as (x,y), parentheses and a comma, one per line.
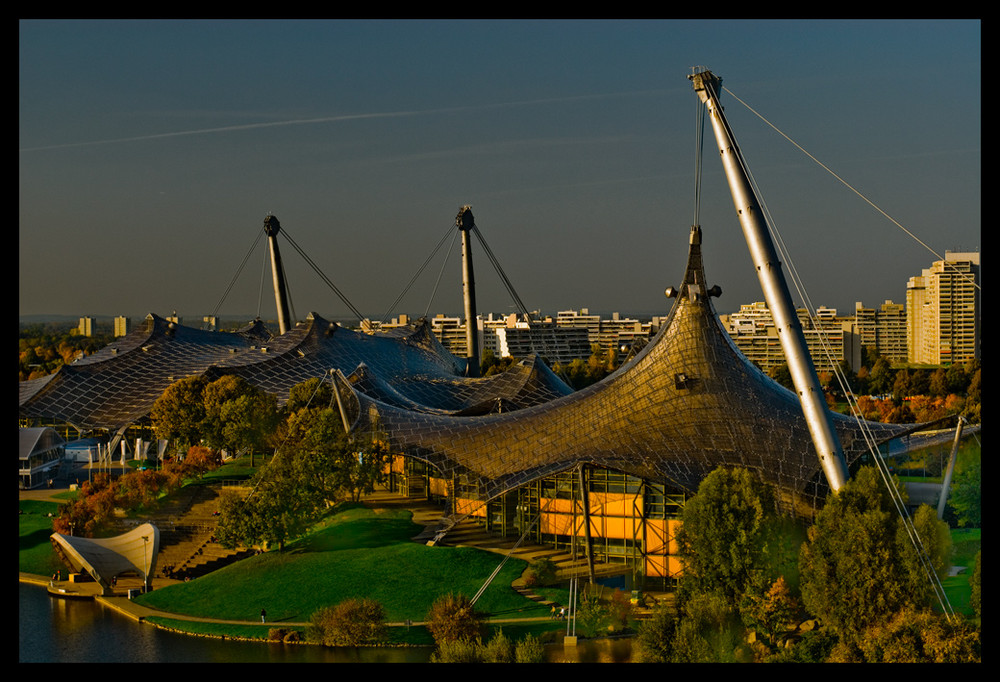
(40,453)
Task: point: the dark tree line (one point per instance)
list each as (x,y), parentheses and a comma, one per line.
(904,394)
(42,349)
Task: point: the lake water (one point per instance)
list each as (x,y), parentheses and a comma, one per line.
(84,631)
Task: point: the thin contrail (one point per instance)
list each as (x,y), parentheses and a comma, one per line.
(226,129)
(323,119)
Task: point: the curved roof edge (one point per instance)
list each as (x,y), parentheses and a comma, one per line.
(104,558)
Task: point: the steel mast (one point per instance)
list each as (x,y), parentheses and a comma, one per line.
(271,228)
(772,281)
(465,223)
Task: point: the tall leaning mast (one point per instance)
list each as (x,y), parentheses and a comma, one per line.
(772,281)
(271,229)
(466,222)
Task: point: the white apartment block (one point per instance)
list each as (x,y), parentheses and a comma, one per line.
(86,326)
(610,334)
(123,325)
(943,311)
(830,339)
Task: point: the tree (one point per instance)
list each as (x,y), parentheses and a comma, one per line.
(330,460)
(782,375)
(499,649)
(278,509)
(592,616)
(975,584)
(966,496)
(491,364)
(352,622)
(315,392)
(728,533)
(855,568)
(938,385)
(453,617)
(935,541)
(920,636)
(541,571)
(179,413)
(881,378)
(768,612)
(901,385)
(237,415)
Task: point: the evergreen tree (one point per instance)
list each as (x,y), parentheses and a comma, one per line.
(729,533)
(856,569)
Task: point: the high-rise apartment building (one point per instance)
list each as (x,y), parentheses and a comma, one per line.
(830,339)
(943,311)
(883,329)
(86,326)
(123,325)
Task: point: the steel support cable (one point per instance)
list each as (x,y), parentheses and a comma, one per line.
(850,187)
(413,279)
(437,282)
(503,277)
(288,291)
(239,270)
(325,279)
(509,286)
(510,552)
(260,291)
(898,503)
(698,155)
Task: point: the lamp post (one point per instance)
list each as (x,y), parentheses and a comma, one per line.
(145,564)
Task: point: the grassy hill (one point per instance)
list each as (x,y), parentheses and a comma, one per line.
(356,552)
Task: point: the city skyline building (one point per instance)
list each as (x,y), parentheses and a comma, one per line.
(122,326)
(883,329)
(830,338)
(943,311)
(85,327)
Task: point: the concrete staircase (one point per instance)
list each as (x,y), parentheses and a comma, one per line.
(468,532)
(187,535)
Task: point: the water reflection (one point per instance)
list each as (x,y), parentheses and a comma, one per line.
(84,631)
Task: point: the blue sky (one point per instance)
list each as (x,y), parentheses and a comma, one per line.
(151,151)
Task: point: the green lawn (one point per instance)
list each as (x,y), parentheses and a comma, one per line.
(35,554)
(965,543)
(356,553)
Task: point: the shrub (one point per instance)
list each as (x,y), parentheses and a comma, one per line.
(709,632)
(458,651)
(529,650)
(591,616)
(453,617)
(540,572)
(498,650)
(353,622)
(655,638)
